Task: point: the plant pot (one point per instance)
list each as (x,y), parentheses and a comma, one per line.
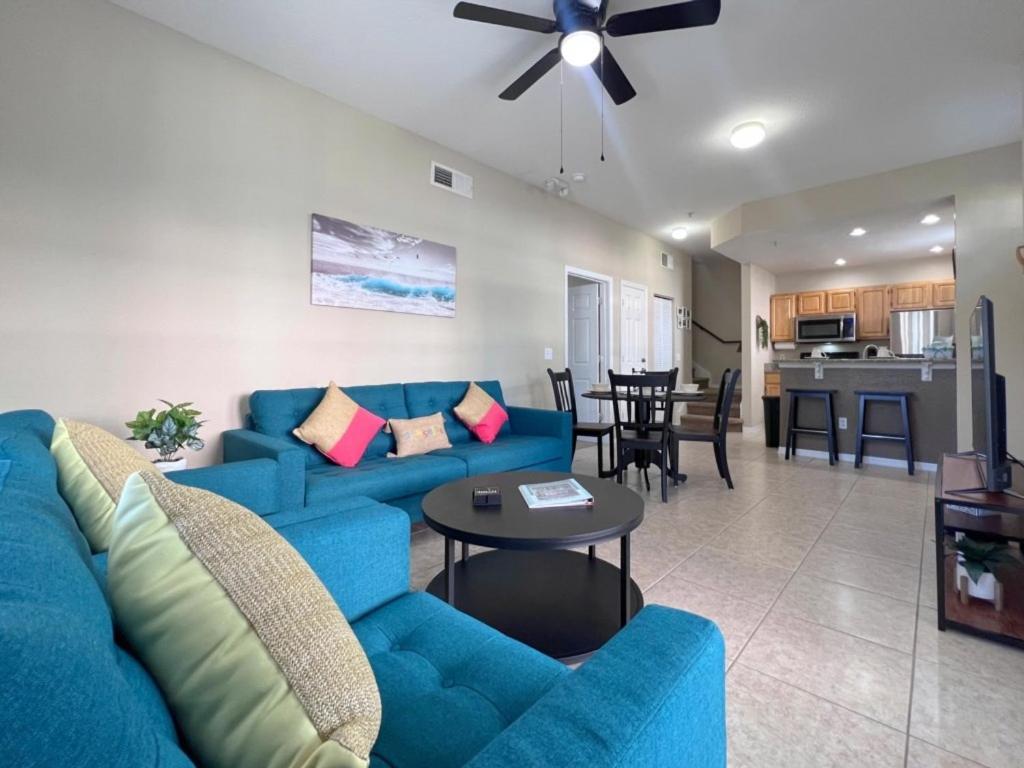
(171,466)
(984,589)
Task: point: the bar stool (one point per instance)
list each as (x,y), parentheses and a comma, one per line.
(903,399)
(828,431)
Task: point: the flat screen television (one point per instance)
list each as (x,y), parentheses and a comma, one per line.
(988,401)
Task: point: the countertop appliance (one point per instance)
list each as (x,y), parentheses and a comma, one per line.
(911,331)
(875,352)
(829,355)
(815,329)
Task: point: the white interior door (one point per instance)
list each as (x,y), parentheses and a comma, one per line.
(633,324)
(585,345)
(663,310)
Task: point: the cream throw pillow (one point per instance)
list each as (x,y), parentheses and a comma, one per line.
(92,467)
(252,654)
(416,436)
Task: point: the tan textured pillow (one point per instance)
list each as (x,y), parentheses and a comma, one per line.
(339,427)
(254,657)
(422,435)
(92,467)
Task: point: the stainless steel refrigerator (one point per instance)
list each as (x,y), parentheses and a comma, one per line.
(911,331)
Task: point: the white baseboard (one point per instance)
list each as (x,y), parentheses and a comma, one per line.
(878,461)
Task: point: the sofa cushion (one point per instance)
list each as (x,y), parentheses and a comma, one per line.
(481,414)
(448,683)
(429,397)
(339,427)
(92,466)
(276,670)
(307,514)
(70,695)
(506,453)
(382,479)
(276,412)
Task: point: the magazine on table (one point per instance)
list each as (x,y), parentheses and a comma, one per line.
(560,493)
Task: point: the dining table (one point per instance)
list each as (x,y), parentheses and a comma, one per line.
(677,396)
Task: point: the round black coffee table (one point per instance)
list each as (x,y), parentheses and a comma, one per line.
(531,587)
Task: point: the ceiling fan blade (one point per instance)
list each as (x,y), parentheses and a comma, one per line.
(532,75)
(488,15)
(695,13)
(614,79)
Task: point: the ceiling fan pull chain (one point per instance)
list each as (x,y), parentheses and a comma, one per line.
(561,117)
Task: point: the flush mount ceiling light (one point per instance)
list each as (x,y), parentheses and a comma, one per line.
(748,135)
(858,232)
(680,233)
(936,249)
(581,48)
(930,219)
(840,262)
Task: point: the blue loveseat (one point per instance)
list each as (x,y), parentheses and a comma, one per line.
(454,692)
(531,439)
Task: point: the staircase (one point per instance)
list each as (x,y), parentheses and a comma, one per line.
(701,416)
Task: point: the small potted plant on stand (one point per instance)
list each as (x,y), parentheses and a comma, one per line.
(975,569)
(168,431)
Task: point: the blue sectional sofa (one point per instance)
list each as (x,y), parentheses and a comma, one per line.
(532,439)
(454,691)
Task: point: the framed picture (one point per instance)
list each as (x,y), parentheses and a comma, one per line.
(365,267)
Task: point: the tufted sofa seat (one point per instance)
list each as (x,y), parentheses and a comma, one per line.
(531,439)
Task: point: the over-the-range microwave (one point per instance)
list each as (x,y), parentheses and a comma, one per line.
(814,329)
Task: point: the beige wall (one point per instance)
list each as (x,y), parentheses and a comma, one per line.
(155,201)
(988,191)
(716,306)
(757,287)
(932,268)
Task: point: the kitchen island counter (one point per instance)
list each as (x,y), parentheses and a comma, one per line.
(932,388)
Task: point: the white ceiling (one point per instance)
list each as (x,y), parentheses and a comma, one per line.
(846,87)
(891,235)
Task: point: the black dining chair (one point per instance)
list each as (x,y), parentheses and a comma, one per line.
(642,434)
(716,435)
(565,400)
(663,394)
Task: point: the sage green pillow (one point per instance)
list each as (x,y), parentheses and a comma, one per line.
(92,467)
(252,654)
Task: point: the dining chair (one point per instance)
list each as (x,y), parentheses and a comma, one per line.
(718,433)
(659,403)
(565,400)
(641,436)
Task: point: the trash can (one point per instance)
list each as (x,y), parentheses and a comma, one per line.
(771,421)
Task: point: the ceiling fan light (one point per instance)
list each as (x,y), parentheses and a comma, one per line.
(680,233)
(581,48)
(748,135)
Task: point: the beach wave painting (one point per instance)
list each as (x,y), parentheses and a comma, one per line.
(369,268)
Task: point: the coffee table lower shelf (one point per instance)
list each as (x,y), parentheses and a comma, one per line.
(564,604)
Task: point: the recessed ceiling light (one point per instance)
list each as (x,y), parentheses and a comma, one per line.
(930,219)
(936,249)
(748,135)
(579,178)
(581,48)
(858,232)
(840,262)
(680,233)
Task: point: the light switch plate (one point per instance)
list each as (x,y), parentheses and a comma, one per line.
(819,371)
(842,422)
(549,353)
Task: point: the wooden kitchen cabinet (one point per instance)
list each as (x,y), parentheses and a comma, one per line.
(811,303)
(844,300)
(944,294)
(783,314)
(873,312)
(911,296)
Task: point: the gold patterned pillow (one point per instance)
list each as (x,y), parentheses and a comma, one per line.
(252,654)
(422,435)
(92,467)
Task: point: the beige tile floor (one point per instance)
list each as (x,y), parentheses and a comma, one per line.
(822,581)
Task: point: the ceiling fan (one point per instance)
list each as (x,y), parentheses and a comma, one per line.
(583,25)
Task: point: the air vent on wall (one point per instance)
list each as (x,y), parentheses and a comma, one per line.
(454,181)
(667,261)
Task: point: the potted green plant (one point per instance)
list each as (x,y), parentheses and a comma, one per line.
(168,431)
(976,562)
